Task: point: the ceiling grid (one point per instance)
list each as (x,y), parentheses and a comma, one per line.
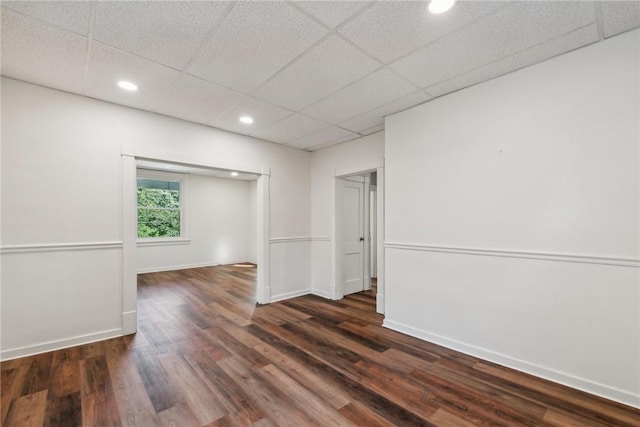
(309,73)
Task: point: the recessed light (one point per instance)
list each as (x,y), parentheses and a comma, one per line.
(440,6)
(234,173)
(132,87)
(247,120)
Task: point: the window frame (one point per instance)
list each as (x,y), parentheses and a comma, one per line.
(182,180)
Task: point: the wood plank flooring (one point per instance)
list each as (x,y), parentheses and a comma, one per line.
(205,354)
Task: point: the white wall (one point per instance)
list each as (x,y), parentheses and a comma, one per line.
(360,154)
(220,221)
(61,209)
(512,219)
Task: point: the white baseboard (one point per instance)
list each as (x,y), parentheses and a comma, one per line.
(14,353)
(546,373)
(288,295)
(323,294)
(187,266)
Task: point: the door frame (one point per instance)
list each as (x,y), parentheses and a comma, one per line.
(366,215)
(129,232)
(336,286)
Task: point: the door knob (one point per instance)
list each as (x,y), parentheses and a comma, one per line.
(362,239)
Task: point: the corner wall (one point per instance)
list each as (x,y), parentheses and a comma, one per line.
(62,213)
(512,219)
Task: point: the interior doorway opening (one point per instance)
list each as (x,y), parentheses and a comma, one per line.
(132,158)
(358,229)
(373,230)
(354,234)
(190,217)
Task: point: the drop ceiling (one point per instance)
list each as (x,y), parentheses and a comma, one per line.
(310,73)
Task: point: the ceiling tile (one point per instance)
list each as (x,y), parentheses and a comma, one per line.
(373,91)
(363,121)
(619,16)
(70,15)
(332,13)
(376,116)
(109,65)
(254,42)
(198,100)
(328,136)
(289,129)
(165,32)
(39,53)
(408,25)
(327,67)
(509,30)
(281,53)
(263,114)
(373,129)
(536,54)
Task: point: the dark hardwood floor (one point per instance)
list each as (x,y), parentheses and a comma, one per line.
(205,354)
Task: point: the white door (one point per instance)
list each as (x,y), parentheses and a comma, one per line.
(352,237)
(373,232)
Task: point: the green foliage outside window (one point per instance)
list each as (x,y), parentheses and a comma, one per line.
(158,208)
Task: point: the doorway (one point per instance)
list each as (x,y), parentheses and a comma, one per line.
(192,217)
(354,235)
(130,156)
(373,230)
(358,234)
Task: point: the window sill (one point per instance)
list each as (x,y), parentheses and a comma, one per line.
(163,242)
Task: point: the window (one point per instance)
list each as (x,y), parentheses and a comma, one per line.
(160,205)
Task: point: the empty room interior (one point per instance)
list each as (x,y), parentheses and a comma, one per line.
(314,213)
